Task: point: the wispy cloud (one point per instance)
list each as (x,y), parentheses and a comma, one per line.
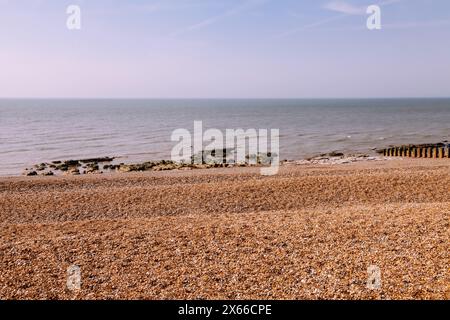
(344,7)
(246,5)
(164,5)
(310,26)
(351,9)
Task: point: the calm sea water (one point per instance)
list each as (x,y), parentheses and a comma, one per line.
(34,131)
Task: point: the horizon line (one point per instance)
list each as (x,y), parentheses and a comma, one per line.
(221,98)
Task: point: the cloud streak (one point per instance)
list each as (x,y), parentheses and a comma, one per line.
(311,25)
(246,5)
(344,7)
(164,5)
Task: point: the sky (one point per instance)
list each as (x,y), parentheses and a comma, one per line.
(224,49)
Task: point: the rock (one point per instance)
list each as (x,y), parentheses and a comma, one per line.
(141,166)
(31,173)
(336,154)
(49,173)
(343,161)
(74,171)
(300,162)
(62,167)
(93,166)
(124,168)
(165,167)
(72,163)
(96,160)
(40,167)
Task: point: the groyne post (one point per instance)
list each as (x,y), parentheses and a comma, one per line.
(437,152)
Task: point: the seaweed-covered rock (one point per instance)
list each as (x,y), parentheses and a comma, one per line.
(72,163)
(96,160)
(62,167)
(335,154)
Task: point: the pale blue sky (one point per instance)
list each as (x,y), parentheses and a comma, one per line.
(224,49)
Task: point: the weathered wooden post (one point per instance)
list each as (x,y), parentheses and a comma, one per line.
(420,152)
(434,152)
(414,152)
(441,153)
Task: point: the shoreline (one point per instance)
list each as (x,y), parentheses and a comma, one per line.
(83,167)
(312,163)
(207,159)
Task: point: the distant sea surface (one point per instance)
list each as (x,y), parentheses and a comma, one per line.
(35,131)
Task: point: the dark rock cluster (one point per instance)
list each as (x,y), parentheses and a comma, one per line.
(203,160)
(73,167)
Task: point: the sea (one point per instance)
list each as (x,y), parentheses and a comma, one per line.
(33,131)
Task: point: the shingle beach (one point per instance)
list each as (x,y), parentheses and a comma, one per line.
(310,232)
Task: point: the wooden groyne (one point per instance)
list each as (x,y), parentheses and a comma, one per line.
(439,150)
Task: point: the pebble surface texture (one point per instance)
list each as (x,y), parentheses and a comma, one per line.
(310,232)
